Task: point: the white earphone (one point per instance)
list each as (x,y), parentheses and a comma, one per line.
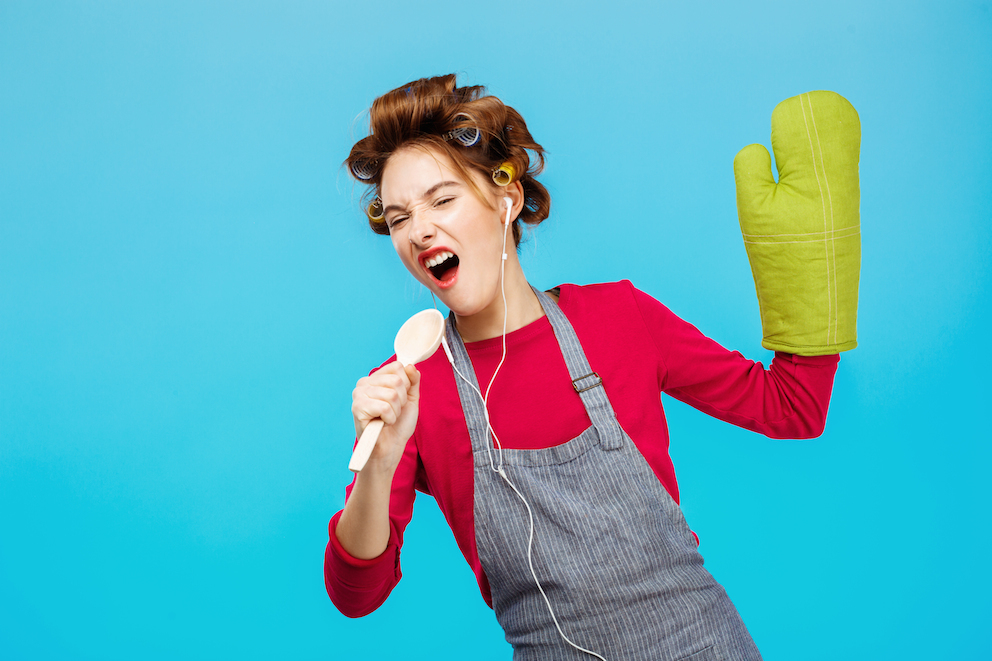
(506,226)
(508,202)
(498,465)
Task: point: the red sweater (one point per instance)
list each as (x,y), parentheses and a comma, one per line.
(640,349)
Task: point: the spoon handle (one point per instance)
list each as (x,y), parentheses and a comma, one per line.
(365,445)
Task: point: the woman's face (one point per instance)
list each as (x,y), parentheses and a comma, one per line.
(444,234)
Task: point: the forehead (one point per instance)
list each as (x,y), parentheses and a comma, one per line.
(413,170)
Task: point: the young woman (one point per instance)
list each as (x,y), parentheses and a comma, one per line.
(543,437)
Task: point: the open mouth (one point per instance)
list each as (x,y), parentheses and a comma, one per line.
(443,266)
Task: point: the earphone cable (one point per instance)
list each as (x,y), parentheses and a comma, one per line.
(499,446)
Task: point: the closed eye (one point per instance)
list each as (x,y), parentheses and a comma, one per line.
(396,221)
(443,200)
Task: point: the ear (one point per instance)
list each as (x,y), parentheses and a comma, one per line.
(515,191)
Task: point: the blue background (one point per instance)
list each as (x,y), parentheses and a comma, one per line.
(188,292)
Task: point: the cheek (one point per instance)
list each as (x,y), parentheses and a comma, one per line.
(411,264)
(398,248)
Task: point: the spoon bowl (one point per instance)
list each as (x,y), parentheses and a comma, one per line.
(419,337)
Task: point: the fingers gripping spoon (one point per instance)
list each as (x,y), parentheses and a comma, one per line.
(416,340)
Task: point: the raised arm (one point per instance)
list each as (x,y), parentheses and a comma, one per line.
(803,240)
(788,400)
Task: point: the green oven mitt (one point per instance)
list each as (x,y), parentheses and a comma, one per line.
(803,234)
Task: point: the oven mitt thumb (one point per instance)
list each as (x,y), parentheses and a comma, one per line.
(803,234)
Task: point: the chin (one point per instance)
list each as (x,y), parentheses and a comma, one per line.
(459,306)
(469,306)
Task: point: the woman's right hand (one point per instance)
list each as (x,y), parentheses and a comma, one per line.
(391,393)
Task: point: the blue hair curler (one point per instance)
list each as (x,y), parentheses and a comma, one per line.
(466,136)
(364,170)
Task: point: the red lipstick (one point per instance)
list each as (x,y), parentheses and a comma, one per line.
(441,265)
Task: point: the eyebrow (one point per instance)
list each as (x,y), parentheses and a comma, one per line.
(430,191)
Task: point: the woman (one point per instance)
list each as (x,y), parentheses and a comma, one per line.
(544,440)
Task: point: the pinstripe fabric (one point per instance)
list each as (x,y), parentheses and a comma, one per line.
(611,548)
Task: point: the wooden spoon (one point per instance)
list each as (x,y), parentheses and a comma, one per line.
(416,340)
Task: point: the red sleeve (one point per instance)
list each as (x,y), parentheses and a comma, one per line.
(788,400)
(357,587)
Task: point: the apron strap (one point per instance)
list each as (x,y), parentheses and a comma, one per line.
(585,380)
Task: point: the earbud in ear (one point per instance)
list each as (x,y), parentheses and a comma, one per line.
(508,202)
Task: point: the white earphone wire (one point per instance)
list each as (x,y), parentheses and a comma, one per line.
(530,562)
(502,289)
(499,446)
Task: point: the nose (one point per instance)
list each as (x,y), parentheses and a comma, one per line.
(422,230)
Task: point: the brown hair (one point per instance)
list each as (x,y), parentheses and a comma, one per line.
(425,113)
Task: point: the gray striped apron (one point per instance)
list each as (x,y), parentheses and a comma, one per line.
(611,548)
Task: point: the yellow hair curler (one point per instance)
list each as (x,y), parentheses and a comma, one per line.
(503,175)
(375,211)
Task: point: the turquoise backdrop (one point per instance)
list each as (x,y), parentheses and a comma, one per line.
(188,292)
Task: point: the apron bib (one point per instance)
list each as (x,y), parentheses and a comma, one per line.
(611,548)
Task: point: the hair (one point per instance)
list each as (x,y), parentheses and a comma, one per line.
(424,113)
